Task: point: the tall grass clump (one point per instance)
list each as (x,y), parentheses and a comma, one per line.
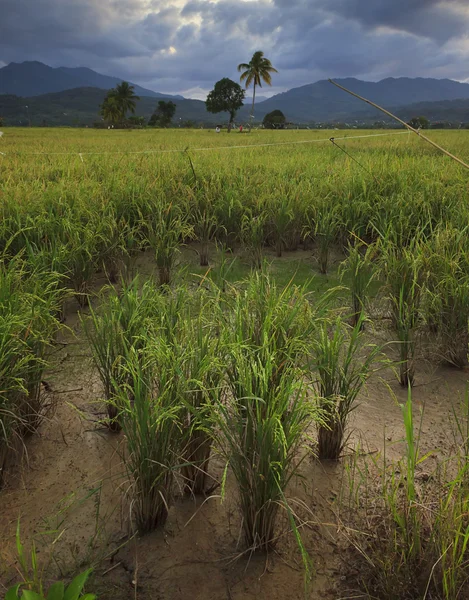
(401,268)
(341,364)
(150,405)
(116,327)
(259,429)
(253,235)
(411,531)
(358,269)
(166,227)
(446,296)
(261,422)
(28,323)
(323,227)
(203,371)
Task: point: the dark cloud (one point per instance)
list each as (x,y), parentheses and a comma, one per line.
(180,45)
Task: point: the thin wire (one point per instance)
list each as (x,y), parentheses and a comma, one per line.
(172,150)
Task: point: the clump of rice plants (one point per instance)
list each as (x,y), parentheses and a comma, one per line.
(206,225)
(166,227)
(446,294)
(358,269)
(411,532)
(28,307)
(401,269)
(203,369)
(341,364)
(253,235)
(116,327)
(261,422)
(281,220)
(259,429)
(323,227)
(150,405)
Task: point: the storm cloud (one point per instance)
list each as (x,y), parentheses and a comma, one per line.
(184,46)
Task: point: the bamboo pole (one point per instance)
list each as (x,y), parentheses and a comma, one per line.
(386,112)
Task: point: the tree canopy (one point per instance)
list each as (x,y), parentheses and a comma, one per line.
(274,120)
(419,122)
(118,101)
(226,96)
(163,114)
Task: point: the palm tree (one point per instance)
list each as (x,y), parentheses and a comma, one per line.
(256,71)
(126,97)
(111,109)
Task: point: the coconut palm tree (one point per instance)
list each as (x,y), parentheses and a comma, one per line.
(126,97)
(111,109)
(256,71)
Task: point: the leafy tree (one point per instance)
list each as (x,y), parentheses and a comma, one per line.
(274,120)
(1,122)
(163,114)
(226,96)
(256,71)
(419,122)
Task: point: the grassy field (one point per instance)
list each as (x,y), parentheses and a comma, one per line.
(235,296)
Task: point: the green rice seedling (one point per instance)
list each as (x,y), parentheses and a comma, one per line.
(401,268)
(341,362)
(450,537)
(165,230)
(28,306)
(32,587)
(222,270)
(206,225)
(118,326)
(281,219)
(259,429)
(323,226)
(446,294)
(263,316)
(151,415)
(358,268)
(253,233)
(203,369)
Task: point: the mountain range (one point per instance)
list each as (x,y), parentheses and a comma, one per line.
(71,96)
(33,78)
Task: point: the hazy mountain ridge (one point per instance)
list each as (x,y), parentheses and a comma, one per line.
(33,78)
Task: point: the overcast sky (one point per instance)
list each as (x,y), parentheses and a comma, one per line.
(184,46)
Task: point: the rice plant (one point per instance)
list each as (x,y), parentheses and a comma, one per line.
(341,364)
(253,234)
(112,331)
(203,369)
(401,268)
(259,429)
(166,228)
(359,271)
(446,294)
(281,218)
(412,535)
(150,405)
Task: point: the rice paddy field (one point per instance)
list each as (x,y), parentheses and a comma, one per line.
(234,366)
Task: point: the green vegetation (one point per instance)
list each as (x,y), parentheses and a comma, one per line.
(226,96)
(274,120)
(232,343)
(258,70)
(163,115)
